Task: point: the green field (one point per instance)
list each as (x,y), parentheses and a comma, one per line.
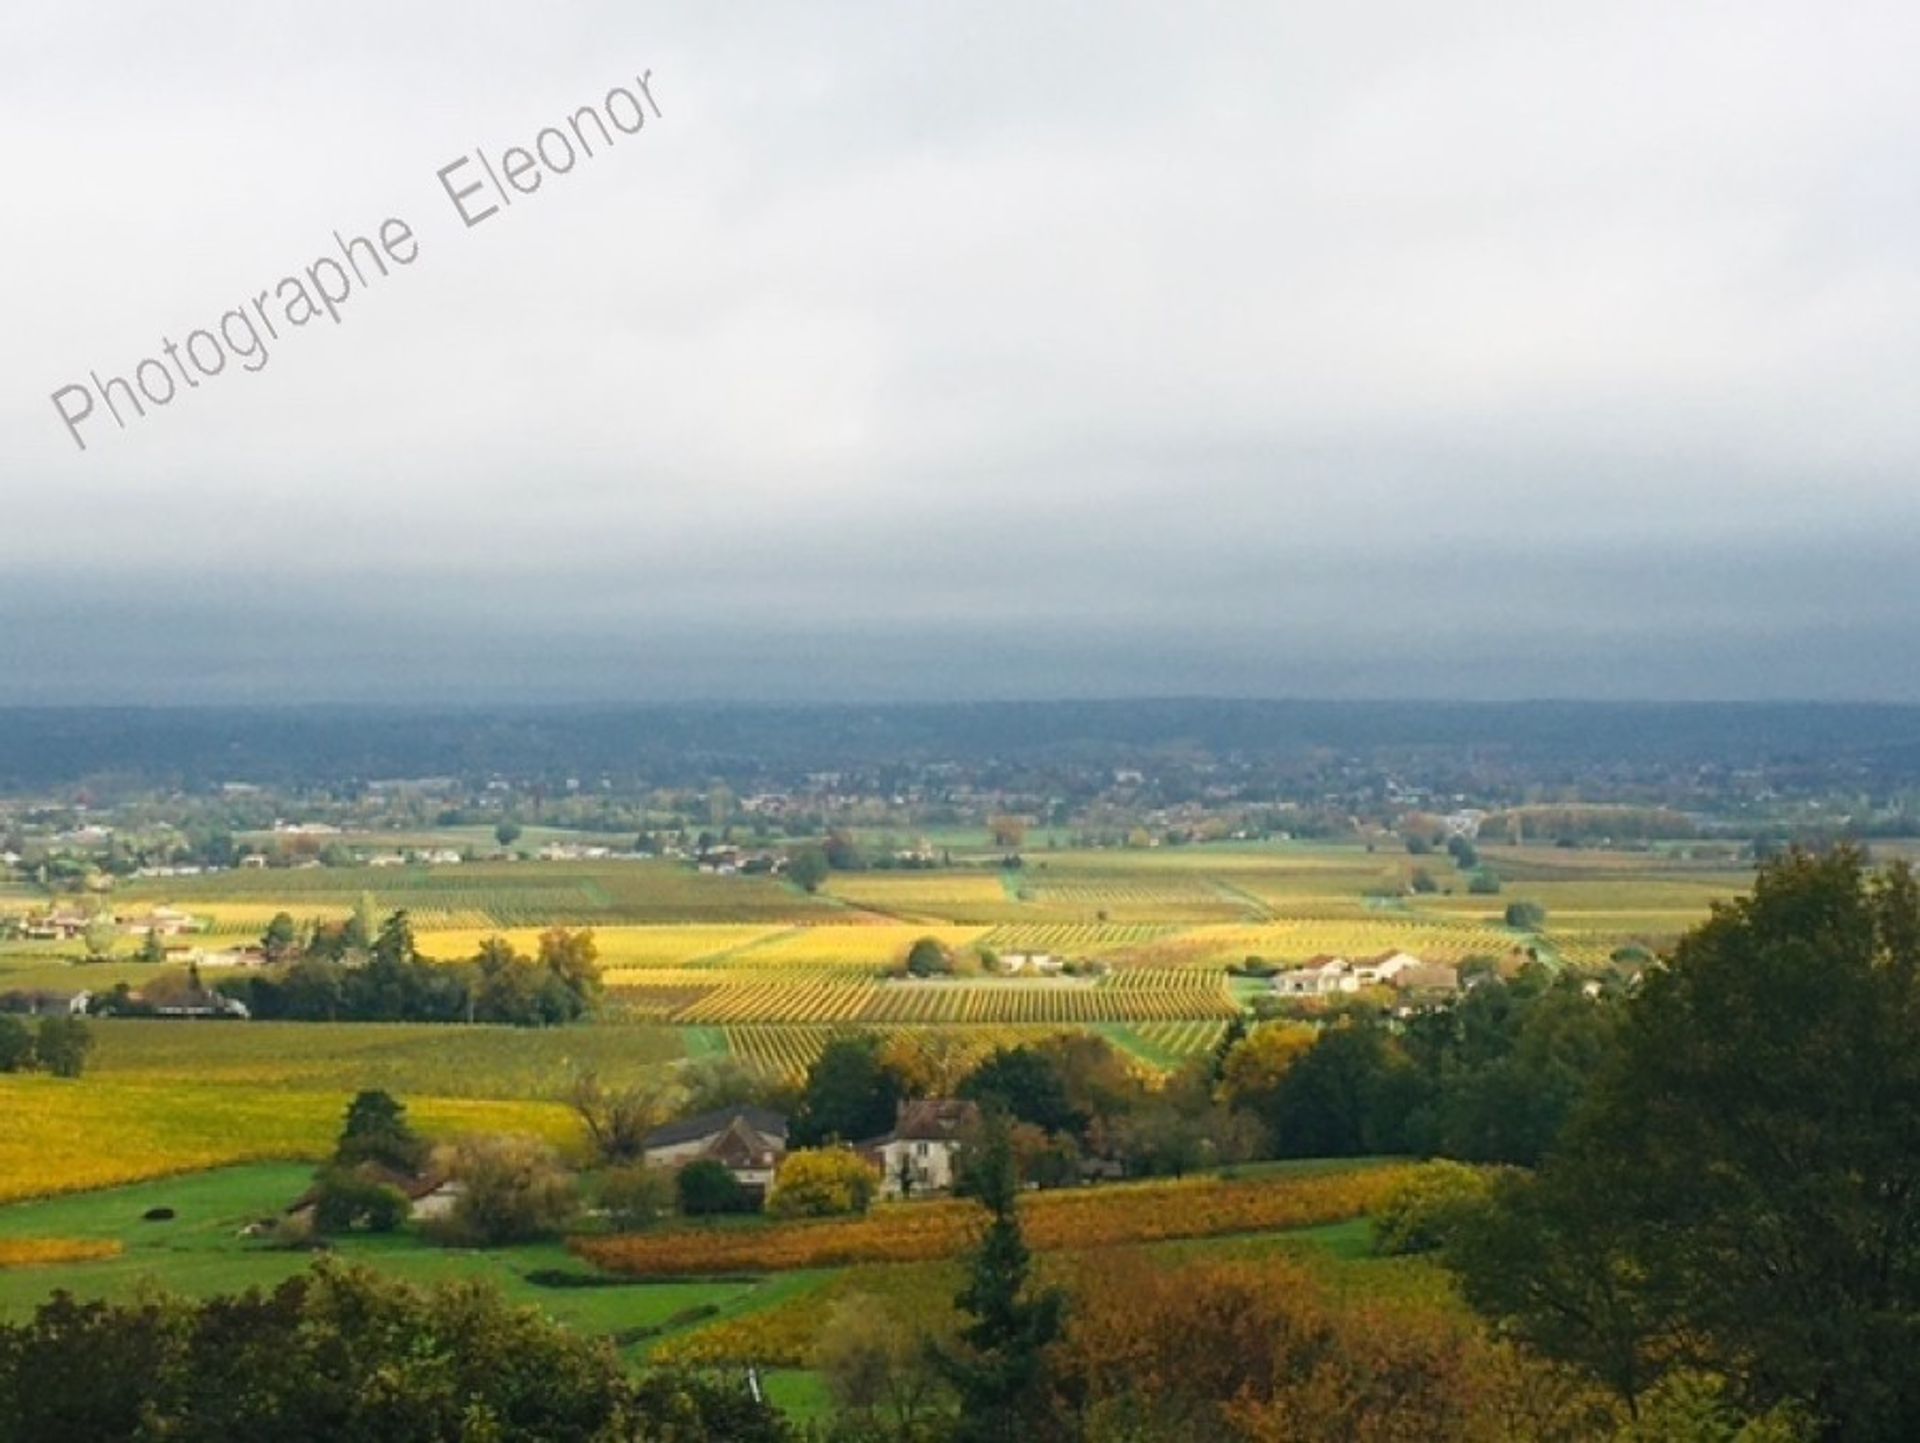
(200,1253)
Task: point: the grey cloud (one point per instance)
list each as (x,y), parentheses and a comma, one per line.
(1386,349)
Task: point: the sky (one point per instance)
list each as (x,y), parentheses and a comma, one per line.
(969,350)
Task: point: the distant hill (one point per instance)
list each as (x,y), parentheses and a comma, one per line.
(196,747)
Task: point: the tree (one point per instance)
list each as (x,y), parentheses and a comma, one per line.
(16,1045)
(822,1182)
(1465,855)
(99,936)
(998,1370)
(1526,916)
(618,1121)
(928,957)
(345,1201)
(1484,883)
(1737,1188)
(1423,1213)
(848,1094)
(62,1044)
(706,1189)
(153,952)
(877,1369)
(1507,1066)
(807,867)
(1251,1073)
(361,926)
(281,938)
(1351,1093)
(636,1196)
(1021,1082)
(1009,832)
(512,1190)
(572,959)
(507,833)
(348,1353)
(377,1131)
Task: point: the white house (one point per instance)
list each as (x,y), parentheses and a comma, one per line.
(921,1154)
(1321,976)
(1326,976)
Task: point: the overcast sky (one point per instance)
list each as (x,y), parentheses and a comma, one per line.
(955,350)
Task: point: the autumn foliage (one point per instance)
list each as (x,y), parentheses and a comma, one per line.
(45,1252)
(1077,1218)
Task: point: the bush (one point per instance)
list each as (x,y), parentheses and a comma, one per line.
(636,1197)
(706,1188)
(346,1202)
(1526,916)
(62,1045)
(928,958)
(822,1182)
(1422,1213)
(343,1352)
(16,1045)
(512,1190)
(1485,883)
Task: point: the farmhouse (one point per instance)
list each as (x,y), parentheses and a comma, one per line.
(748,1142)
(1325,975)
(429,1194)
(920,1154)
(1043,964)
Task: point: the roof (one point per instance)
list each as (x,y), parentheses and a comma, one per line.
(742,1147)
(930,1119)
(762,1120)
(414,1186)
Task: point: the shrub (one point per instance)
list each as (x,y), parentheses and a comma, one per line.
(928,958)
(1485,883)
(512,1189)
(1422,1213)
(706,1188)
(822,1182)
(636,1197)
(347,1202)
(62,1045)
(1526,916)
(16,1045)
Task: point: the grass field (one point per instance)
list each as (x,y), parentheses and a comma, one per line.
(101,1131)
(409,1059)
(200,1252)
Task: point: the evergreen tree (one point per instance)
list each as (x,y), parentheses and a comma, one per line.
(1000,1375)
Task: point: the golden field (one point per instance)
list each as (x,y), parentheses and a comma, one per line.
(68,1136)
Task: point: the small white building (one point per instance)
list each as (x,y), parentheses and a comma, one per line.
(922,1152)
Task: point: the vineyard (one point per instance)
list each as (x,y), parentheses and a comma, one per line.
(828,995)
(1075,939)
(1077,1218)
(787,1051)
(487,894)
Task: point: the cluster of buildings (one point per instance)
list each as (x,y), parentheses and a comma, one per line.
(1328,975)
(920,1155)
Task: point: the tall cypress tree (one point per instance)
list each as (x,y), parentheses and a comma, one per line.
(1000,1376)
